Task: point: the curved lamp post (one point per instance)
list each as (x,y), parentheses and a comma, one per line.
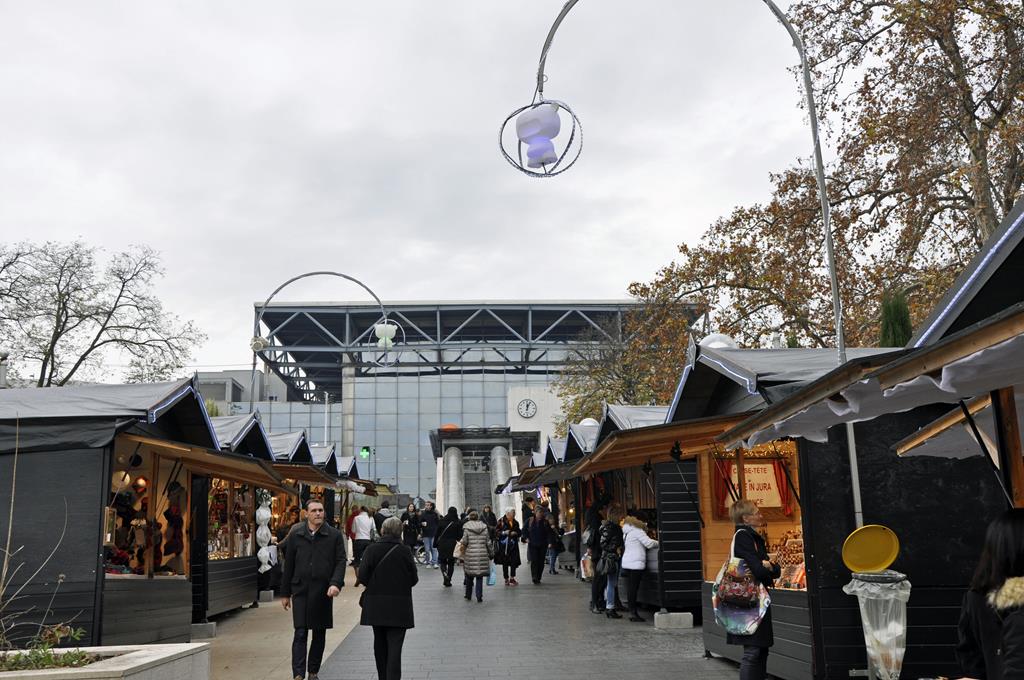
(540,132)
(385,329)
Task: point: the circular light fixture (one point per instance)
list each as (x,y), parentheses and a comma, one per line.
(387,333)
(259,343)
(120,481)
(537,126)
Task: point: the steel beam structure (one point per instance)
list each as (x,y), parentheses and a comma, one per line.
(312,342)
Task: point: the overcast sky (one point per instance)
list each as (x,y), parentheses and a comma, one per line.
(252,141)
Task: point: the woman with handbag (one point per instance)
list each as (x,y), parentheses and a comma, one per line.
(750,547)
(636,543)
(476,559)
(449,532)
(537,537)
(389,573)
(411,526)
(610,537)
(507,555)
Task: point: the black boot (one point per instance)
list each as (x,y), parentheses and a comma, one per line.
(612,614)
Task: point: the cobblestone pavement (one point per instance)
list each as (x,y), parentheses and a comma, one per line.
(527,632)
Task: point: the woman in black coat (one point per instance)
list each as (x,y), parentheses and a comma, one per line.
(751,548)
(389,572)
(410,526)
(449,532)
(507,533)
(991,628)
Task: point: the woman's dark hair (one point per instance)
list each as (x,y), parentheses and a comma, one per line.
(452,513)
(1003,554)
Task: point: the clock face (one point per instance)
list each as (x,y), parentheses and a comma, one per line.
(527,408)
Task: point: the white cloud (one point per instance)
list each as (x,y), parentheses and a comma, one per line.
(253,141)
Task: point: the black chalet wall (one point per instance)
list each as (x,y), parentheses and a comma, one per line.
(938,508)
(45,480)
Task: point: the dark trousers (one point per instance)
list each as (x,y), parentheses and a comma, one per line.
(508,571)
(358,547)
(633,578)
(316,651)
(597,586)
(447,568)
(537,556)
(387,651)
(754,664)
(469,581)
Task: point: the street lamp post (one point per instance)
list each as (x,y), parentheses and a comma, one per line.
(385,329)
(819,174)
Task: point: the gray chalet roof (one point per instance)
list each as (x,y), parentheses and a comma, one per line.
(581,440)
(347,467)
(720,381)
(178,403)
(624,417)
(555,452)
(243,433)
(290,447)
(324,457)
(989,284)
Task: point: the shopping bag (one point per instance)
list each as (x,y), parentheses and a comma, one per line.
(460,550)
(738,600)
(492,577)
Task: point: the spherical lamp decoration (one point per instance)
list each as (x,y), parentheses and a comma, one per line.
(718,341)
(536,128)
(386,332)
(589,421)
(537,125)
(120,481)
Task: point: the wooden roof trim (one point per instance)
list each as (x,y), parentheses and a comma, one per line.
(941,424)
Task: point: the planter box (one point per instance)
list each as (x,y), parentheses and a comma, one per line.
(189,661)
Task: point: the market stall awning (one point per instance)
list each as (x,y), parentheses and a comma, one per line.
(506,488)
(626,417)
(633,448)
(555,451)
(305,472)
(972,362)
(581,440)
(556,473)
(528,477)
(347,467)
(217,463)
(325,458)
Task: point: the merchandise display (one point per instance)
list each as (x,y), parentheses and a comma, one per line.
(788,552)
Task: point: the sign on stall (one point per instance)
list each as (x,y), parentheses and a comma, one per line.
(761,485)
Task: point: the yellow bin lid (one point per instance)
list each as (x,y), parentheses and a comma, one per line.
(873,547)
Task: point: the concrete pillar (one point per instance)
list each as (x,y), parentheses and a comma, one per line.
(501,470)
(454,480)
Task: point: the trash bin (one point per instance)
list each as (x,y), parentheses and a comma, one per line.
(883,599)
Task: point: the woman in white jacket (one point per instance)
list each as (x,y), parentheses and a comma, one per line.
(634,559)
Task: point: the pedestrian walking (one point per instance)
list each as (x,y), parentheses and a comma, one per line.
(991,629)
(449,532)
(508,532)
(537,537)
(611,555)
(313,575)
(476,560)
(350,531)
(488,517)
(429,520)
(750,547)
(363,528)
(411,526)
(382,514)
(595,516)
(554,547)
(389,572)
(636,543)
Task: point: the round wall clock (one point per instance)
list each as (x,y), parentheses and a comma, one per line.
(527,408)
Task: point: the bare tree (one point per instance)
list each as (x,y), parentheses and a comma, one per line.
(66,313)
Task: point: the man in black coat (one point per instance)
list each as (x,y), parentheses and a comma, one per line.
(314,574)
(429,520)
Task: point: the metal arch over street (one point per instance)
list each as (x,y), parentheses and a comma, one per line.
(312,342)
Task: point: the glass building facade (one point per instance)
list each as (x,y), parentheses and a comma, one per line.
(454,362)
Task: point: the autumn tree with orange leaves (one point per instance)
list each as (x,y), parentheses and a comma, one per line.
(922,102)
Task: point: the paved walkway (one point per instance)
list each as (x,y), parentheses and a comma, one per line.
(526,632)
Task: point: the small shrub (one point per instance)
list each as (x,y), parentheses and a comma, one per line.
(40,653)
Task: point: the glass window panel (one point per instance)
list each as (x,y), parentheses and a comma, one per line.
(472,389)
(428,423)
(300,420)
(316,420)
(408,436)
(386,422)
(451,388)
(365,405)
(495,386)
(429,388)
(474,419)
(364,389)
(451,417)
(451,405)
(365,421)
(430,405)
(387,387)
(408,405)
(408,387)
(496,406)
